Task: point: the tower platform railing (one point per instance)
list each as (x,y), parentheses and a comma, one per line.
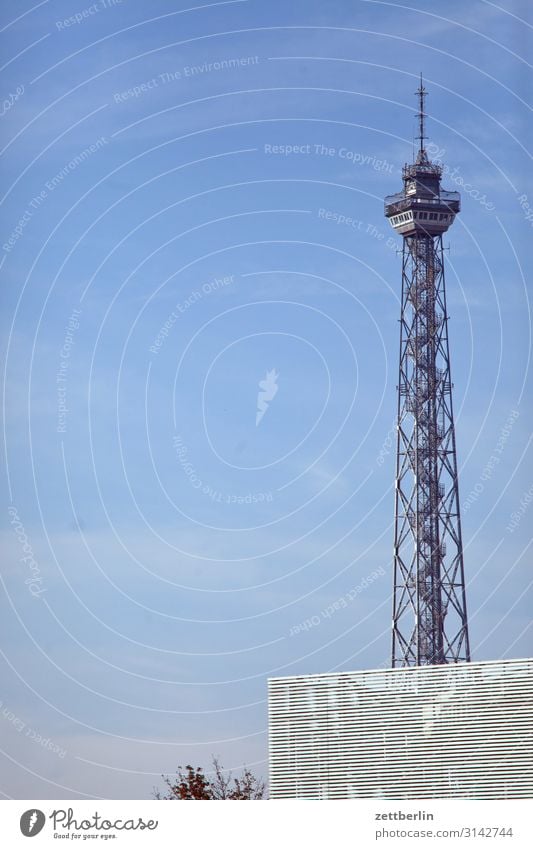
(449,201)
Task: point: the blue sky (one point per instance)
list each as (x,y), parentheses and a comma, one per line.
(193,198)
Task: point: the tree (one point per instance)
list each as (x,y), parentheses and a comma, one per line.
(193,784)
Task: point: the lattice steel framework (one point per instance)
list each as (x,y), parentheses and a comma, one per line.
(429,606)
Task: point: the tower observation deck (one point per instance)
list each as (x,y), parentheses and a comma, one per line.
(429,606)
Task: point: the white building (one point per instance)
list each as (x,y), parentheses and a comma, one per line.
(461,731)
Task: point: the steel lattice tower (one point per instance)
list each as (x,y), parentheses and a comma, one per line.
(429,623)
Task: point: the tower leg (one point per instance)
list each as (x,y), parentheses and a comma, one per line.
(429,606)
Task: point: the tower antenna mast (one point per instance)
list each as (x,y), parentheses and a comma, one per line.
(421,92)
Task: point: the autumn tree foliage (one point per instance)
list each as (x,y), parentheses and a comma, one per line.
(192,783)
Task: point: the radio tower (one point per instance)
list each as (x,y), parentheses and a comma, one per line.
(429,622)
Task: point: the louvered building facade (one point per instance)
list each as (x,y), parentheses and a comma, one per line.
(443,731)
